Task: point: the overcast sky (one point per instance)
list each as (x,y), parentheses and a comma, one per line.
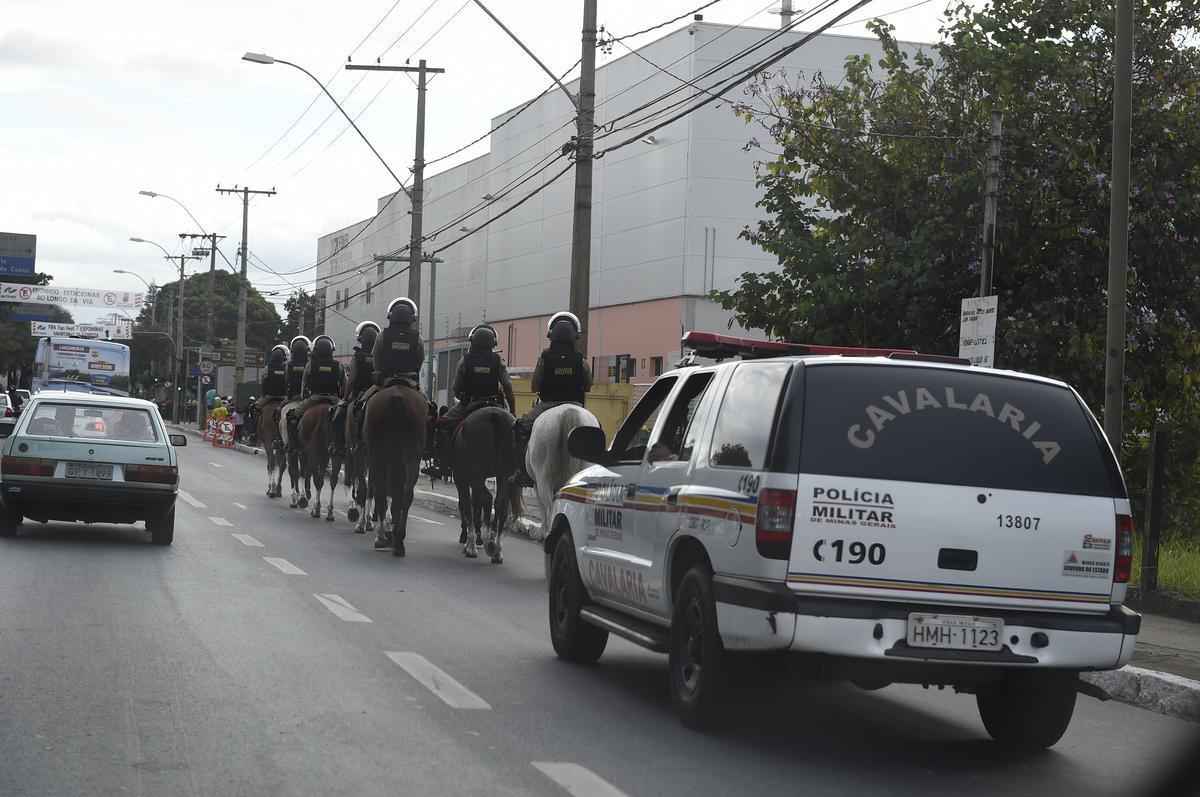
(101,100)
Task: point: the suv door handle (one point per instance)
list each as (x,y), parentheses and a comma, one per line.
(673,495)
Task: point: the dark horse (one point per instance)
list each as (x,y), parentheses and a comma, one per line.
(356,468)
(268,438)
(395,438)
(483,449)
(315,435)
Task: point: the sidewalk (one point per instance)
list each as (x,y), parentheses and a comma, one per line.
(1164,675)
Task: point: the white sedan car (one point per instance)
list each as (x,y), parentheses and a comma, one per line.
(91,458)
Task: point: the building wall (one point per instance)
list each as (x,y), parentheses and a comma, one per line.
(667,211)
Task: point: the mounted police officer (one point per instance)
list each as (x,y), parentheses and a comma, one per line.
(300,348)
(398,352)
(561,376)
(360,381)
(481,380)
(324,378)
(274,386)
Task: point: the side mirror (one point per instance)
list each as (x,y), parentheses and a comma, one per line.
(587,443)
(178,440)
(7,425)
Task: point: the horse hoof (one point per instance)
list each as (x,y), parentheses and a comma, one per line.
(490,549)
(497,559)
(470,554)
(302,503)
(462,538)
(382,543)
(352,514)
(398,550)
(479,539)
(359,530)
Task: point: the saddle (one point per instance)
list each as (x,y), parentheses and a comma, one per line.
(402,380)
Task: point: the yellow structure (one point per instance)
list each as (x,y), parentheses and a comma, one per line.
(609,403)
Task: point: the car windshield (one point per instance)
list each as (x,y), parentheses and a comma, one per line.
(92,422)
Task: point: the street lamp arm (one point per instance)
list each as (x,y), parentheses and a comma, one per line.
(361,135)
(195,221)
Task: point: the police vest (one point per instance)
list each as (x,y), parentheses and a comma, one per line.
(295,379)
(482,374)
(364,371)
(562,375)
(398,352)
(276,382)
(323,378)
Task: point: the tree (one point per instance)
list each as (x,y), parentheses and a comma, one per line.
(301,315)
(17,344)
(874,200)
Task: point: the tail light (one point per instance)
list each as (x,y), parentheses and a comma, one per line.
(26,466)
(1124,564)
(8,412)
(152,474)
(773,531)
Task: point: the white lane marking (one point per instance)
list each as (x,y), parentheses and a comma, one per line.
(436,680)
(190,500)
(426,520)
(239,506)
(220,521)
(284,566)
(578,781)
(247,540)
(341,608)
(216,464)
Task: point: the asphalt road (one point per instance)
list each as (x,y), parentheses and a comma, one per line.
(206,669)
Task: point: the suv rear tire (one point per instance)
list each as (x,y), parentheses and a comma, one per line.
(696,653)
(573,638)
(1028,711)
(162,528)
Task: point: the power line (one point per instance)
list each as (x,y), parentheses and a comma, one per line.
(685,15)
(880,16)
(404,33)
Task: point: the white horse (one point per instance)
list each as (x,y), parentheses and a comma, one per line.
(546,458)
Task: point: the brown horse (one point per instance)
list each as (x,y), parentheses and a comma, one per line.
(356,468)
(483,449)
(315,428)
(395,440)
(268,438)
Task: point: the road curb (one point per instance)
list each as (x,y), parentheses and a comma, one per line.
(1162,692)
(194,432)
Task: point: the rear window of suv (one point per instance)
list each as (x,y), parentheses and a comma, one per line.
(942,426)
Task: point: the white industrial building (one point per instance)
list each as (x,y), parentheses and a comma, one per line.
(667,213)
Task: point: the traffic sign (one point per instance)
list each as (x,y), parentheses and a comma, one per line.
(252,358)
(206,380)
(206,367)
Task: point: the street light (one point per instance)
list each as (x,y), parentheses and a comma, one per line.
(153,304)
(146,241)
(153,194)
(263,58)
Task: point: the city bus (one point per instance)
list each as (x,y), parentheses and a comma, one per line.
(81,364)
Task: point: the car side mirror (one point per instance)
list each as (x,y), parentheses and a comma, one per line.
(178,440)
(588,443)
(7,425)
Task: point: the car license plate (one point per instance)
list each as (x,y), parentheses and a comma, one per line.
(88,470)
(955,632)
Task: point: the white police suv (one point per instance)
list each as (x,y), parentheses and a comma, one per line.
(909,518)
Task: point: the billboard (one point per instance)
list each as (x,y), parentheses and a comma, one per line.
(81,297)
(121,330)
(17,253)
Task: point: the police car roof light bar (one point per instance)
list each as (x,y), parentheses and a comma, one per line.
(719,347)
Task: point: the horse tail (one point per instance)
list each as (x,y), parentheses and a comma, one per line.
(502,431)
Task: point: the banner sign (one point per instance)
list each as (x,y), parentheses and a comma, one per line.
(251,358)
(122,330)
(977,330)
(82,297)
(17,253)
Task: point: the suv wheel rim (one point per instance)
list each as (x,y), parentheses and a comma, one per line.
(691,664)
(561,614)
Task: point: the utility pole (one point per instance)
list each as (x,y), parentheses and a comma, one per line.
(1118,226)
(990,202)
(581,226)
(179,370)
(239,368)
(212,238)
(417,194)
(429,309)
(785,14)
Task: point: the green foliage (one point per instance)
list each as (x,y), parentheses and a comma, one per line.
(301,316)
(17,344)
(873,202)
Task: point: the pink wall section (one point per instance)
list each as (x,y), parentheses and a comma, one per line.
(643,330)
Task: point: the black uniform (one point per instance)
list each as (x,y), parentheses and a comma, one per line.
(295,377)
(563,375)
(323,378)
(276,381)
(362,372)
(398,350)
(480,376)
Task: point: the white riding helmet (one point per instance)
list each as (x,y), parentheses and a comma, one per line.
(300,339)
(403,300)
(332,345)
(485,328)
(363,326)
(568,316)
(279,347)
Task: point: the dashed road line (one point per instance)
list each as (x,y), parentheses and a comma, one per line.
(578,781)
(220,521)
(341,608)
(284,566)
(190,500)
(216,464)
(425,519)
(436,680)
(247,540)
(239,506)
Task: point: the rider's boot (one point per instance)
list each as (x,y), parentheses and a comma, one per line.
(338,419)
(293,425)
(520,446)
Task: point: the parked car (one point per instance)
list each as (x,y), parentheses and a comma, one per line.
(92,458)
(900,519)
